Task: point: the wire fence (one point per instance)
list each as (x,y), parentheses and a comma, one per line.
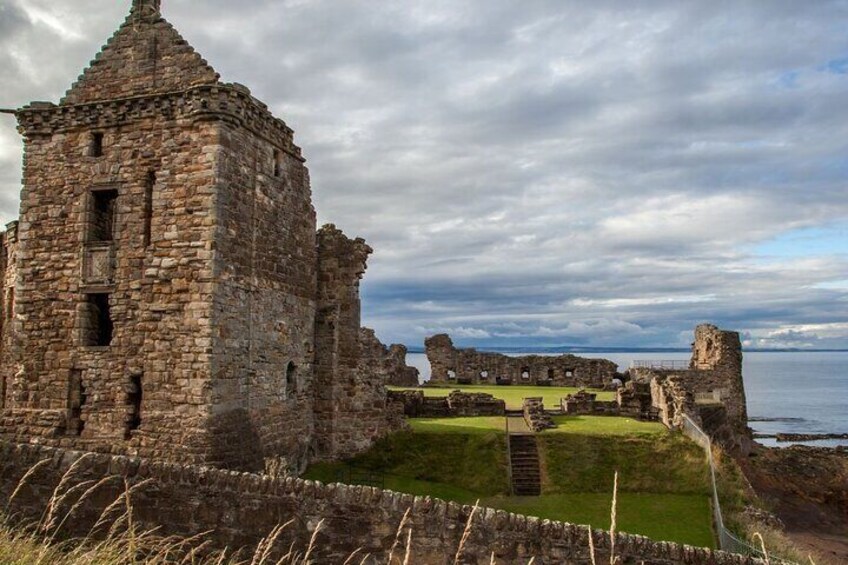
(727,541)
(661,365)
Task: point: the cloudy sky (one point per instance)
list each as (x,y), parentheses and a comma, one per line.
(537,172)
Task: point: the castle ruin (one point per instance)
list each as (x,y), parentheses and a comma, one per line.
(166,293)
(450,365)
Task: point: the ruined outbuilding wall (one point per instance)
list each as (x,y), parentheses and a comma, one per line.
(240,509)
(469,366)
(389,362)
(350,399)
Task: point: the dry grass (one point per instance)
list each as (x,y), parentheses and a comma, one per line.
(116,539)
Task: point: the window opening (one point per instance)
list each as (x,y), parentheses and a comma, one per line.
(103,207)
(97,321)
(77,398)
(96,147)
(134,400)
(148,207)
(291,379)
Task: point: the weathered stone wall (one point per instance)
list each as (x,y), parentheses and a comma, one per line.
(469,366)
(350,399)
(8,268)
(389,362)
(240,509)
(133,65)
(264,302)
(63,389)
(711,392)
(455,404)
(165,270)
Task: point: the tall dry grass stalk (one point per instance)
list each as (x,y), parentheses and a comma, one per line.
(591,545)
(397,536)
(758,535)
(613,516)
(466,533)
(32,470)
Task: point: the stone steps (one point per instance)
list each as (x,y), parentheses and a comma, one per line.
(524,462)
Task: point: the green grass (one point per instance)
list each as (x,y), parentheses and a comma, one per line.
(473,462)
(605,426)
(665,517)
(471,425)
(663,489)
(665,463)
(513,395)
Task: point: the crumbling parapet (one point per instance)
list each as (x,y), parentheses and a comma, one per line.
(469,366)
(389,362)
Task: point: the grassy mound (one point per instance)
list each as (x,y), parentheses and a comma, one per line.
(662,476)
(461,465)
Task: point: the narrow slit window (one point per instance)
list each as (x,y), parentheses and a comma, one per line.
(291,380)
(134,401)
(96,146)
(2,392)
(76,400)
(103,212)
(97,322)
(148,207)
(278,163)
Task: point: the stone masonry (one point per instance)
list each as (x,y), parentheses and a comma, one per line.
(241,508)
(711,391)
(469,366)
(387,361)
(166,293)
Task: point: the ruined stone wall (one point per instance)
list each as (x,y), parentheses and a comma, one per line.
(469,366)
(350,398)
(389,362)
(157,275)
(711,392)
(454,405)
(264,302)
(240,509)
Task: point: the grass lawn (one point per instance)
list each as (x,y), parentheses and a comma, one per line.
(605,426)
(471,425)
(682,518)
(663,489)
(513,395)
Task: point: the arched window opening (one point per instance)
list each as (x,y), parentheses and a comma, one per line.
(451,375)
(484,375)
(525,373)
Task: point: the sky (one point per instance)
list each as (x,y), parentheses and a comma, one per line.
(542,172)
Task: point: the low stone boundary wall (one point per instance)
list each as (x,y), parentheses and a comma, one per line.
(240,509)
(455,404)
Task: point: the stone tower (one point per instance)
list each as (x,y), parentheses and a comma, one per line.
(162,284)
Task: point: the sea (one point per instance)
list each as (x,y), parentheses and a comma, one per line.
(787,391)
